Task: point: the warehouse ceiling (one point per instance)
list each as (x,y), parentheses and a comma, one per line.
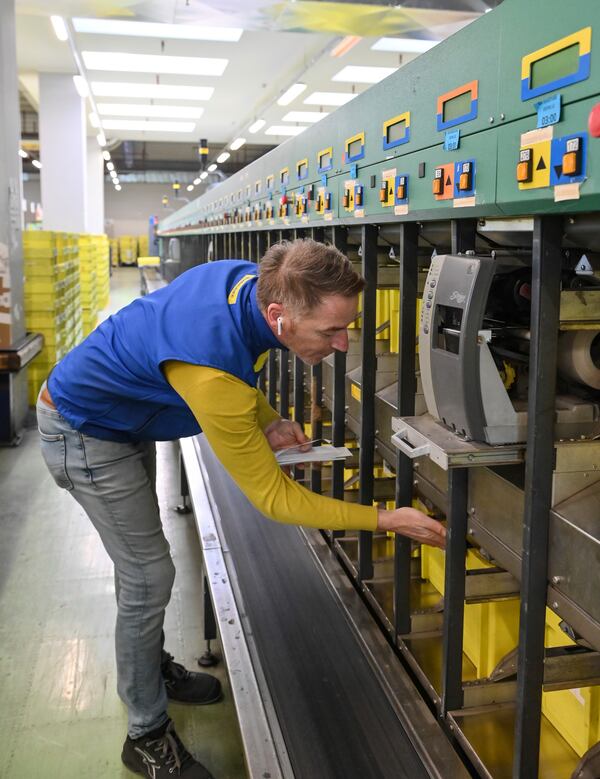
(272,46)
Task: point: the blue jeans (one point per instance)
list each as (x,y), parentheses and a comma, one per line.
(114,484)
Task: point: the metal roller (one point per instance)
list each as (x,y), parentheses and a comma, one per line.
(579,356)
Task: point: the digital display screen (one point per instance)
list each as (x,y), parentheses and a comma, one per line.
(284,176)
(325,159)
(354,148)
(396,131)
(555,66)
(269,182)
(302,170)
(457,106)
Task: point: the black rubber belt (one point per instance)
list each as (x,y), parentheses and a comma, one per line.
(333,713)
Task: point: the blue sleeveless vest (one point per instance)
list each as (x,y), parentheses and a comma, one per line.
(111,386)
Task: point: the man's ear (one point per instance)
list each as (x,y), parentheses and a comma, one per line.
(273,313)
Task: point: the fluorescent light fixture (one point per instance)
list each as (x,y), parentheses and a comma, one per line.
(256,126)
(118,187)
(116,181)
(344,46)
(140,125)
(291,94)
(123,61)
(329,98)
(81,86)
(143,109)
(36,164)
(237,144)
(23,154)
(94,121)
(150,91)
(110,166)
(223,157)
(304,116)
(153,30)
(106,155)
(211,168)
(197,181)
(60,28)
(190,187)
(101,138)
(282,129)
(363,74)
(404,45)
(203,175)
(113,173)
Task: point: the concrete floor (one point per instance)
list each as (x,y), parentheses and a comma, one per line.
(60,715)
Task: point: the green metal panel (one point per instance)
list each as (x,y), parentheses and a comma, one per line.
(490,52)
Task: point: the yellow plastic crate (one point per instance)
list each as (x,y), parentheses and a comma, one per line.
(38,320)
(491,630)
(574,713)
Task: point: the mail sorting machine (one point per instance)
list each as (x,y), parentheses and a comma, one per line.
(466,187)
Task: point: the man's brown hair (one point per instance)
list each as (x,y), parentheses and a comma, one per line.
(300,273)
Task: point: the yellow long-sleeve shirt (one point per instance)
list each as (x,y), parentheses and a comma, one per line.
(233,415)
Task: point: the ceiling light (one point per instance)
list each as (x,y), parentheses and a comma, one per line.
(106,155)
(404,45)
(23,154)
(154,30)
(363,74)
(116,181)
(113,173)
(123,61)
(101,138)
(203,175)
(329,98)
(344,46)
(36,164)
(110,166)
(304,116)
(150,91)
(94,121)
(223,157)
(81,86)
(197,181)
(237,144)
(60,28)
(291,94)
(190,187)
(140,125)
(211,168)
(282,129)
(118,187)
(256,126)
(142,109)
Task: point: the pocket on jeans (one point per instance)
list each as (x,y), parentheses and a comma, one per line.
(54,452)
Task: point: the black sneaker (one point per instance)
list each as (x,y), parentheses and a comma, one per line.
(189,686)
(161,753)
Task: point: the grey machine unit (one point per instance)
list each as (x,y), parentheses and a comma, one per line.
(462,385)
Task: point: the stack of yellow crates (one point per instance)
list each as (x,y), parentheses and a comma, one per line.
(128,249)
(114,252)
(103,270)
(88,265)
(52,304)
(142,245)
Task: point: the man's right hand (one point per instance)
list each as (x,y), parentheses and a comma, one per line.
(412,523)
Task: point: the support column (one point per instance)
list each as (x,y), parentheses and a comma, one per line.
(63,154)
(94,222)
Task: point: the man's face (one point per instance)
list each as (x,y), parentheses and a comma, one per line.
(318,333)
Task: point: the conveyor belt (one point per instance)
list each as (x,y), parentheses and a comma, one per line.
(332,709)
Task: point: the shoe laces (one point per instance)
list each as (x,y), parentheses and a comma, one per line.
(171,750)
(176,671)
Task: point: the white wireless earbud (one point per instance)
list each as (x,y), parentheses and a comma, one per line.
(279,325)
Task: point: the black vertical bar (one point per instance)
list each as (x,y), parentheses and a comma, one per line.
(545,304)
(317,234)
(298,390)
(407,385)
(229,246)
(210,624)
(261,244)
(462,235)
(339,238)
(284,384)
(249,246)
(454,590)
(367,403)
(272,365)
(316,411)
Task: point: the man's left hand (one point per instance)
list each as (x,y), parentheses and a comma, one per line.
(284,433)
